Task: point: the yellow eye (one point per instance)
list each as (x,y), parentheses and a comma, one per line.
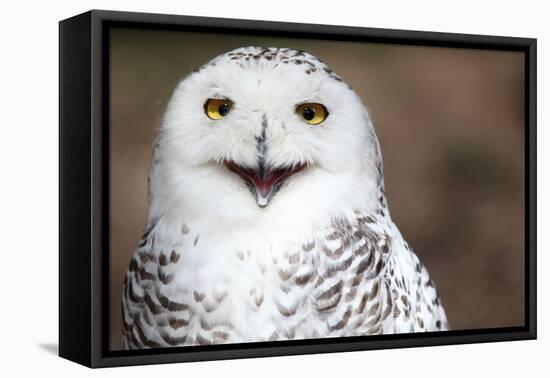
(217,108)
(312,113)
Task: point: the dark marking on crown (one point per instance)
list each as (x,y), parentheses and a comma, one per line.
(184,229)
(269,58)
(198,296)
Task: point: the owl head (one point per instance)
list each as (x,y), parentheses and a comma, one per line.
(264,134)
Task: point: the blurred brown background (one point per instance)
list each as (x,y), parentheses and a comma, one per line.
(450,122)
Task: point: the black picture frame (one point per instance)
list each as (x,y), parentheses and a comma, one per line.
(84,188)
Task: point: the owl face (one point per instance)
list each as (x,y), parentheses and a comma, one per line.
(261,129)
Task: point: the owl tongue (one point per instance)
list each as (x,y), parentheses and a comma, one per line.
(267,184)
(263,183)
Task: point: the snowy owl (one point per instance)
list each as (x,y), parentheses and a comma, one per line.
(267,214)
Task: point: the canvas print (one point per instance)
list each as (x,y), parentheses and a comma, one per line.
(267,189)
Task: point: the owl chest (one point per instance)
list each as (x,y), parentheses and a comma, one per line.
(202,289)
(255,293)
(270,294)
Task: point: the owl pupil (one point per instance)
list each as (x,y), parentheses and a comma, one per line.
(308,114)
(223,109)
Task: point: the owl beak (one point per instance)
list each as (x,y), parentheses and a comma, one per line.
(263,182)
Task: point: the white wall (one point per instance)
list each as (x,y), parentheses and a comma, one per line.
(28,199)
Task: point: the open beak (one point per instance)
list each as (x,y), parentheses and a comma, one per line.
(263,182)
